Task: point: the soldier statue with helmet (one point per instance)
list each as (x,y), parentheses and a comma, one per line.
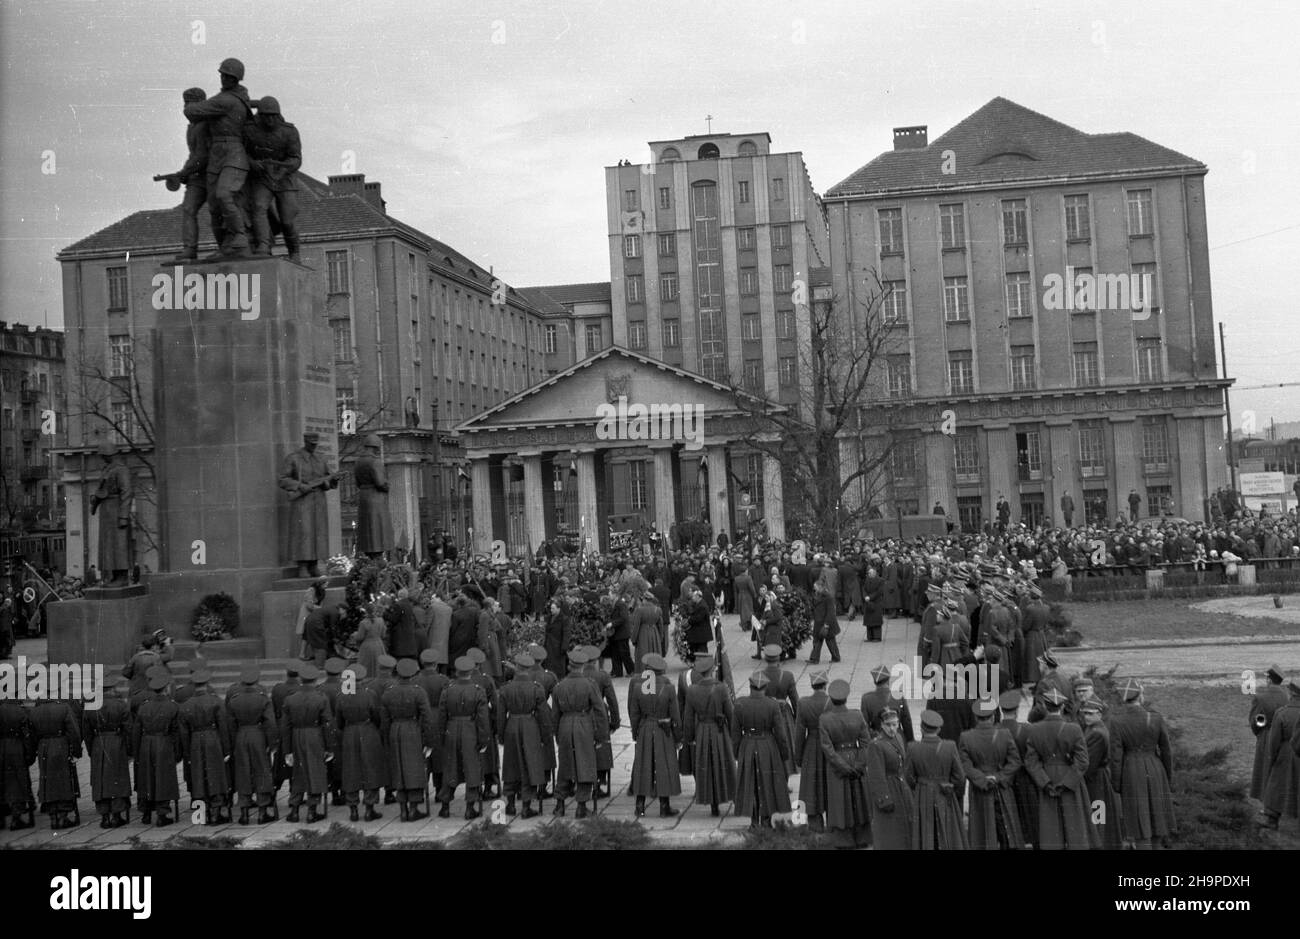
(225,115)
(274,155)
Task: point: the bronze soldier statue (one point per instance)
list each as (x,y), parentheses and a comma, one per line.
(194,176)
(114,495)
(226,113)
(307,477)
(274,155)
(374,525)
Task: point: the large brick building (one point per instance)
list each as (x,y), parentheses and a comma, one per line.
(33,408)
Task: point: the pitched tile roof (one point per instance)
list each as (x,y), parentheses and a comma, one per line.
(1006,142)
(558,295)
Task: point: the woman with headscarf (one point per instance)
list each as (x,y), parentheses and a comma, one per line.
(369,636)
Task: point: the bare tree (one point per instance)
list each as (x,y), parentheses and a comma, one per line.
(835,467)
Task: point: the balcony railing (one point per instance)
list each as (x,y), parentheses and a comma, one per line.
(34,471)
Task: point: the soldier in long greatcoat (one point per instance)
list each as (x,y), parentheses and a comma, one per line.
(306,477)
(1023,787)
(1105,828)
(156,743)
(876,702)
(649,633)
(523,723)
(207,743)
(307,735)
(434,683)
(548,680)
(843,737)
(808,754)
(782,687)
(363,764)
(111,503)
(608,716)
(656,723)
(1263,707)
(892,803)
(406,725)
(991,760)
(706,720)
(581,721)
(933,770)
(1056,757)
(461,719)
(17,754)
(256,736)
(1142,767)
(108,739)
(1281,795)
(760,736)
(279,694)
(58,747)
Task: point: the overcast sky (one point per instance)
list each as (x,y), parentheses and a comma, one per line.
(489,123)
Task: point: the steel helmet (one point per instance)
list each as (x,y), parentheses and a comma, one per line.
(268,105)
(232,67)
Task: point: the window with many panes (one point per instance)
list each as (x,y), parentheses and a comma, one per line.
(748,281)
(672,334)
(117,288)
(961,373)
(778,190)
(708,279)
(785,324)
(1149,363)
(902,459)
(1020,295)
(336,267)
(668,286)
(1022,368)
(119,356)
(635,288)
(631,246)
(1086,372)
(742,194)
(744,239)
(754,375)
(891,231)
(667,245)
(665,198)
(751,326)
(952,225)
(780,236)
(1078,222)
(956,299)
(345,399)
(595,338)
(1015,222)
(966,453)
(1140,219)
(550,337)
(893,302)
(782,278)
(970,513)
(898,370)
(1160,500)
(636,477)
(1144,291)
(1155,445)
(785,371)
(342,332)
(631,200)
(1092,448)
(636,335)
(1029,455)
(123,416)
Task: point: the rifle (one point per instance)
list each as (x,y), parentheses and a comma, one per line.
(173,180)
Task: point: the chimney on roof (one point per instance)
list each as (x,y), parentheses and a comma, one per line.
(355,184)
(374,198)
(906,138)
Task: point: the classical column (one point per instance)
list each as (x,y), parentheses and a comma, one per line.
(1001,450)
(773,498)
(1124,433)
(1188,449)
(588,524)
(480,473)
(719,503)
(1216,468)
(534,499)
(940,470)
(665,491)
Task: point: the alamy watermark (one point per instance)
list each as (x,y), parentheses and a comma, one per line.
(945,682)
(212,291)
(684,422)
(63,681)
(1084,291)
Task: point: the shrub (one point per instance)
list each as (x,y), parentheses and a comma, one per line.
(216,617)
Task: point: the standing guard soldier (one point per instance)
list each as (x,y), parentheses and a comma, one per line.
(875,703)
(434,684)
(226,113)
(1263,706)
(274,156)
(364,764)
(782,687)
(1057,758)
(892,803)
(156,743)
(707,733)
(205,740)
(610,715)
(808,754)
(462,722)
(548,680)
(991,761)
(1142,766)
(759,733)
(1050,677)
(58,747)
(491,784)
(279,694)
(1023,787)
(108,738)
(843,738)
(17,754)
(1106,832)
(933,770)
(523,721)
(406,726)
(306,733)
(581,720)
(194,176)
(256,738)
(380,683)
(656,723)
(330,688)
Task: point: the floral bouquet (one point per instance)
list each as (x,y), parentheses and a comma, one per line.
(798,621)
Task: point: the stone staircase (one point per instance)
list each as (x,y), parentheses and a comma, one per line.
(224,658)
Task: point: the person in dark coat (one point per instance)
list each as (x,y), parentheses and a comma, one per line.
(492,755)
(1263,707)
(403,640)
(548,680)
(464,625)
(648,628)
(580,713)
(206,741)
(663,596)
(808,755)
(406,727)
(783,687)
(990,760)
(1023,786)
(825,626)
(746,595)
(656,724)
(706,720)
(374,525)
(17,754)
(279,694)
(616,647)
(892,803)
(933,770)
(1142,767)
(523,723)
(699,632)
(875,703)
(108,740)
(462,721)
(873,615)
(58,747)
(307,735)
(363,768)
(317,633)
(761,738)
(434,683)
(256,736)
(558,632)
(1105,827)
(843,739)
(1056,757)
(156,743)
(773,618)
(607,720)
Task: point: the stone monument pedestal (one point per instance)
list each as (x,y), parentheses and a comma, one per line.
(105,627)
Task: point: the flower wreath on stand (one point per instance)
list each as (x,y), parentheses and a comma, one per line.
(797,628)
(216,617)
(681,648)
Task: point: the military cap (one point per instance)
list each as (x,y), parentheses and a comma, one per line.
(838,690)
(406,668)
(464,664)
(358,670)
(158,683)
(386,661)
(428,657)
(1054,697)
(537,652)
(578,656)
(758,680)
(1049,659)
(477,654)
(820,677)
(308,672)
(291,671)
(771,651)
(933,588)
(154,671)
(1275,673)
(703,663)
(524,661)
(655,661)
(1092,703)
(1009,701)
(311,435)
(1293,686)
(335,666)
(931,719)
(593,653)
(888,713)
(1132,689)
(250,673)
(984,707)
(880,674)
(202,676)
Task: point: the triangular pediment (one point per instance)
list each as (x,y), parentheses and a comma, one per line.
(573,396)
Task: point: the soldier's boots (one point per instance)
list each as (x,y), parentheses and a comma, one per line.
(293,815)
(510,806)
(313,815)
(354,814)
(339,800)
(714,810)
(559,808)
(528,810)
(18,824)
(472,811)
(119,819)
(640,806)
(666,810)
(389,797)
(163,819)
(243,815)
(146,817)
(372,814)
(582,810)
(267,814)
(417,813)
(445,811)
(59,820)
(105,820)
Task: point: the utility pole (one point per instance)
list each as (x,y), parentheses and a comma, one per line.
(1232,461)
